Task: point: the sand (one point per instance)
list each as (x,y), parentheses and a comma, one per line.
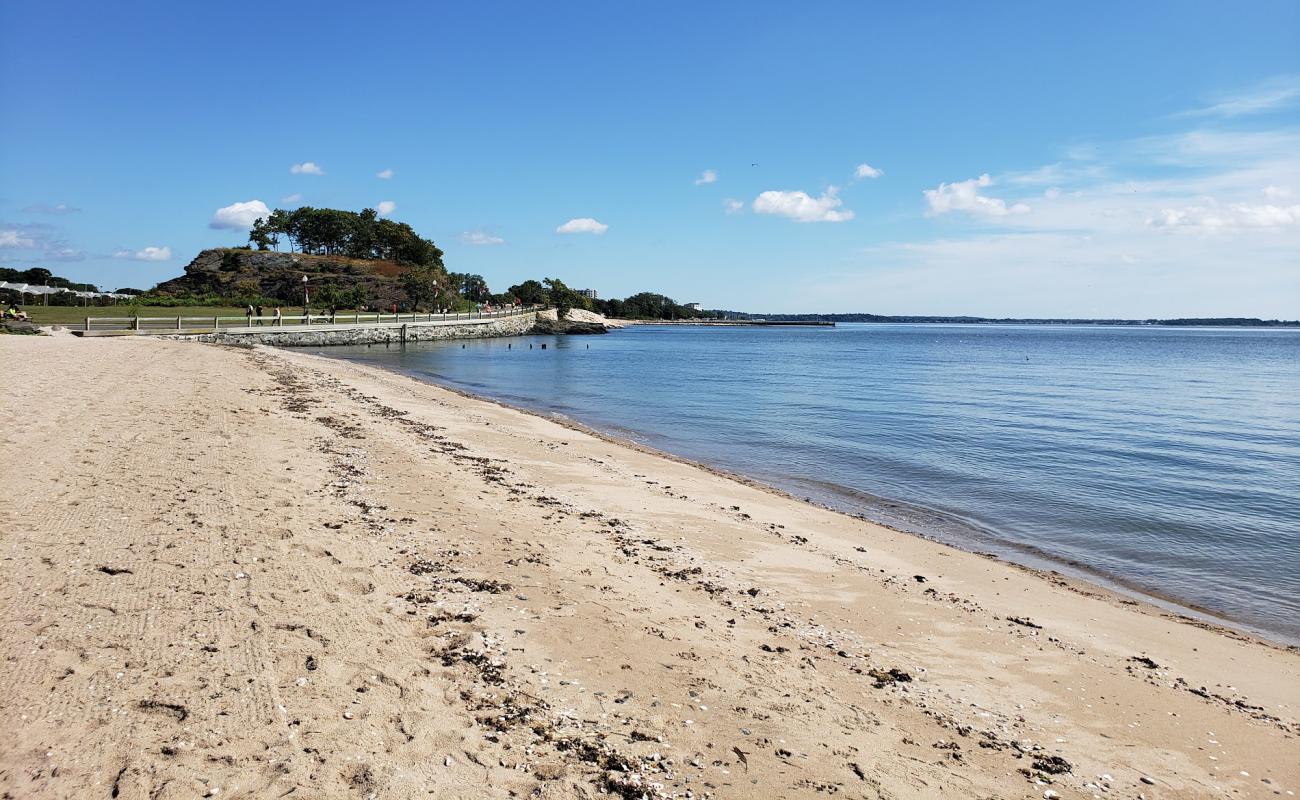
(235,572)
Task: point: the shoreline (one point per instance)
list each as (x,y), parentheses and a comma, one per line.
(249,571)
(976,535)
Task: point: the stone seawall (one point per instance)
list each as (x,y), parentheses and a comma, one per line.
(373,334)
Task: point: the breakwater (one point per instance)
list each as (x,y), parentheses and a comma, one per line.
(371,333)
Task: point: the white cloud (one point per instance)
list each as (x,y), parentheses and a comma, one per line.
(63,254)
(1212,217)
(1178,225)
(296,197)
(707,176)
(1270,95)
(11,237)
(865,170)
(39,241)
(307,168)
(1055,174)
(965,196)
(733,206)
(480,238)
(239,216)
(385,207)
(583,225)
(146,254)
(801,207)
(1134,275)
(384,174)
(54,210)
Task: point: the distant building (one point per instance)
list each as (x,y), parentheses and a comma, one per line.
(693,306)
(590,294)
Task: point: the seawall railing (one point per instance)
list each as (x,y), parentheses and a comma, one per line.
(245,324)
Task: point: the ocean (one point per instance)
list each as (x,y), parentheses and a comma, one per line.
(1164,461)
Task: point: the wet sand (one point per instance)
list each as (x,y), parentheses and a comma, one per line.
(255,573)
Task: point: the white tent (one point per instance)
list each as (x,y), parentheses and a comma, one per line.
(36,291)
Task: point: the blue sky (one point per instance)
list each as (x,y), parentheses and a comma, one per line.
(1028,159)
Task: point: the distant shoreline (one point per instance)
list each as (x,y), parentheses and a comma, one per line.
(738,317)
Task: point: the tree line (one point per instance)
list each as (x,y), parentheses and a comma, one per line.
(353,234)
(554,292)
(39,276)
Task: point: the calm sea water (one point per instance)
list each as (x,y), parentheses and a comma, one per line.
(1159,459)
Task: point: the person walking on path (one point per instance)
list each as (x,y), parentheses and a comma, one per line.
(248,315)
(259,315)
(278,319)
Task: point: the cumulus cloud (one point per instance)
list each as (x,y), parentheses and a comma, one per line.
(583,225)
(385,207)
(239,216)
(965,196)
(384,174)
(1184,222)
(802,207)
(1213,217)
(733,206)
(307,168)
(480,238)
(146,254)
(53,210)
(707,176)
(865,170)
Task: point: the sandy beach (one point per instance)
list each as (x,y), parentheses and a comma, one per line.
(238,572)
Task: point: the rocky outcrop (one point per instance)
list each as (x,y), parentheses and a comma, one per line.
(576,321)
(232,272)
(568,326)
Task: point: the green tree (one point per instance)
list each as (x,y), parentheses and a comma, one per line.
(530,292)
(471,287)
(328,231)
(429,287)
(564,298)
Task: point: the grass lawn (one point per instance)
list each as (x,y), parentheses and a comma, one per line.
(72,315)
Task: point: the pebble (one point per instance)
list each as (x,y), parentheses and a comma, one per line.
(1050,795)
(347,715)
(1147,781)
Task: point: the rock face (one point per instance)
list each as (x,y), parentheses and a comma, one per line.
(233,272)
(568,326)
(576,321)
